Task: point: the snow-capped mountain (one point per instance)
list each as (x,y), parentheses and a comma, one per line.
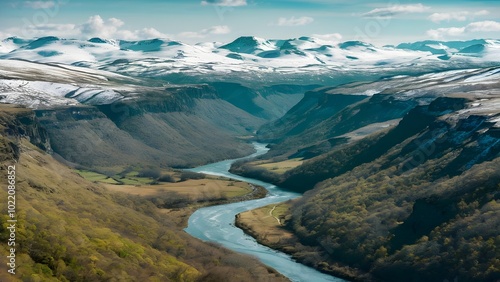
(444,47)
(299,56)
(249,45)
(38,85)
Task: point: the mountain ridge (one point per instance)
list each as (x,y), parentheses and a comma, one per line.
(399,176)
(290,58)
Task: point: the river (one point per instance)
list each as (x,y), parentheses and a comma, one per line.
(216,224)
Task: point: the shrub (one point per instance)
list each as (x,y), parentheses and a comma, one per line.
(126,171)
(150,173)
(186,175)
(166,178)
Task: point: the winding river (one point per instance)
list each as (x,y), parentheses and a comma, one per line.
(216,224)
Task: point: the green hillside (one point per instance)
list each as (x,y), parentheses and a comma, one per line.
(70,229)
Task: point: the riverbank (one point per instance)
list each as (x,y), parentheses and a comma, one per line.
(181,199)
(269,226)
(216,224)
(183,214)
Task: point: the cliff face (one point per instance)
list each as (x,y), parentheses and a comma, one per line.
(72,229)
(98,119)
(397,202)
(313,126)
(180,126)
(415,197)
(266,102)
(425,133)
(324,117)
(172,99)
(16,123)
(315,106)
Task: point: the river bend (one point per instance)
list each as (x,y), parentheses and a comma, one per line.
(216,224)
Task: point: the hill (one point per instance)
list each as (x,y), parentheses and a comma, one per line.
(70,229)
(101,119)
(412,197)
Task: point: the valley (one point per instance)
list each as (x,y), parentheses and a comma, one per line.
(74,229)
(391,201)
(201,224)
(139,160)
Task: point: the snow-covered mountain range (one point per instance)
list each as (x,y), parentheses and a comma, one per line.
(251,55)
(165,100)
(42,85)
(49,71)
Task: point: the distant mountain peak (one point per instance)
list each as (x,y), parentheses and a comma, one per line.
(16,40)
(353,44)
(42,41)
(248,45)
(473,49)
(303,55)
(443,47)
(97,40)
(149,45)
(306,38)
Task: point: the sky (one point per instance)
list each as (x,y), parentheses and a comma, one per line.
(192,21)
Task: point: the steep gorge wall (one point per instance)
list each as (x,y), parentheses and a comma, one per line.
(182,126)
(393,206)
(312,126)
(18,122)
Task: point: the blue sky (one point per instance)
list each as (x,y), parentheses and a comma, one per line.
(191,21)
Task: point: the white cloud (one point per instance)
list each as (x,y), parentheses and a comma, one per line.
(98,27)
(439,17)
(395,10)
(226,3)
(94,27)
(457,16)
(39,4)
(482,13)
(446,32)
(111,28)
(329,36)
(293,21)
(150,32)
(215,30)
(484,26)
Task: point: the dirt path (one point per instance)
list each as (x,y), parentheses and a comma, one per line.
(271,214)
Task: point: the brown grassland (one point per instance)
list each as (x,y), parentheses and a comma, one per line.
(266,223)
(283,166)
(194,188)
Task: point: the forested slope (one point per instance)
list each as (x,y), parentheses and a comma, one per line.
(70,229)
(405,183)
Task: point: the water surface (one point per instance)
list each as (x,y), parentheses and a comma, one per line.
(216,224)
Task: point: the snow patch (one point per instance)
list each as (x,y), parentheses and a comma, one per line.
(35,94)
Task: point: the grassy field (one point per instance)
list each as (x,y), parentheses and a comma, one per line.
(209,187)
(195,188)
(192,193)
(281,167)
(266,223)
(96,177)
(130,178)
